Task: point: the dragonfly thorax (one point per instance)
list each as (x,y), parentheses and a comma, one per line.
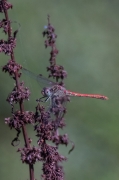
(54,91)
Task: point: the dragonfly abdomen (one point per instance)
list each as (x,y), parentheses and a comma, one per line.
(97,96)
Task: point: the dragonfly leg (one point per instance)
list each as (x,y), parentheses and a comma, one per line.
(39,100)
(46,100)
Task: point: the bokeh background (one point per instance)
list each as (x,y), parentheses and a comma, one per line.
(88,43)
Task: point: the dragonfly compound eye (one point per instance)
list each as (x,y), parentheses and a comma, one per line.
(44,91)
(47,92)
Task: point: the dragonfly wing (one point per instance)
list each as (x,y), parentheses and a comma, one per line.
(39,78)
(45,81)
(29,73)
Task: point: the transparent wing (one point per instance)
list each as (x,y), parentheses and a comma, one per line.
(39,78)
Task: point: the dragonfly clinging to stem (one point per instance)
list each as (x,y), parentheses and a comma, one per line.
(55,90)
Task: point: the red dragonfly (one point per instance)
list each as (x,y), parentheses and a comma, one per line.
(54,90)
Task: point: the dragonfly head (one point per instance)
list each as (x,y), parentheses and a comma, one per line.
(46,92)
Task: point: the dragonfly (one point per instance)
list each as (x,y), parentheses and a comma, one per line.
(53,90)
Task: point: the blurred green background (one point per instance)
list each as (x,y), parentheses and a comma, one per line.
(88,43)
